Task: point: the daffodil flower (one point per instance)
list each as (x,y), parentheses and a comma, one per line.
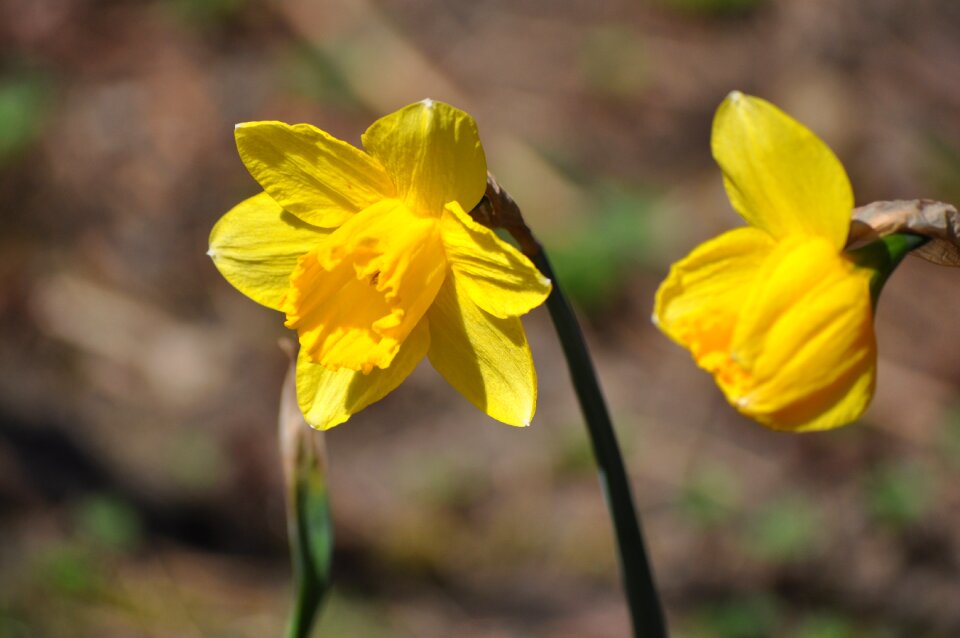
(776,311)
(375,262)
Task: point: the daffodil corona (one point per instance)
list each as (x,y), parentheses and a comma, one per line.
(776,311)
(375,262)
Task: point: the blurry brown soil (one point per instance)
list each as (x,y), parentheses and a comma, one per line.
(139,488)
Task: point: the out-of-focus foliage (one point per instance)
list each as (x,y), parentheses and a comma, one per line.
(825,626)
(612,62)
(592,262)
(942,162)
(711,496)
(24,98)
(898,494)
(787,529)
(753,616)
(311,73)
(714,6)
(205,12)
(108,522)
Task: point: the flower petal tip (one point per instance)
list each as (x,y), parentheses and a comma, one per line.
(427,102)
(735,96)
(329,425)
(211,253)
(515,422)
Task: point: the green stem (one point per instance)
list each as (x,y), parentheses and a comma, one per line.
(883,256)
(305,607)
(643,600)
(311,572)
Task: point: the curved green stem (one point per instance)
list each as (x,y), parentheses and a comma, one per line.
(498,210)
(643,600)
(883,256)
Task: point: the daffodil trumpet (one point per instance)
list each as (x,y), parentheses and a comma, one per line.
(777,311)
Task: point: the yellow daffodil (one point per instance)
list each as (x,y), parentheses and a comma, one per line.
(376,263)
(776,311)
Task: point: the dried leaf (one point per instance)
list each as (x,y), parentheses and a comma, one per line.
(937,221)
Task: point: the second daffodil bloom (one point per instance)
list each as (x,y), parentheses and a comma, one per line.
(776,311)
(376,263)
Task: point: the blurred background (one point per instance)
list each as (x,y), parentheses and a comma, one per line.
(140,493)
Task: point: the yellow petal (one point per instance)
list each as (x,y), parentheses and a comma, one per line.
(699,303)
(329,398)
(483,357)
(780,176)
(356,297)
(806,342)
(315,176)
(432,152)
(256,246)
(497,277)
(842,402)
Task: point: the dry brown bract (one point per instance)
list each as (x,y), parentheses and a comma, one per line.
(938,221)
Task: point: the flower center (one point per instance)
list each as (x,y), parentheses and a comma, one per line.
(355,298)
